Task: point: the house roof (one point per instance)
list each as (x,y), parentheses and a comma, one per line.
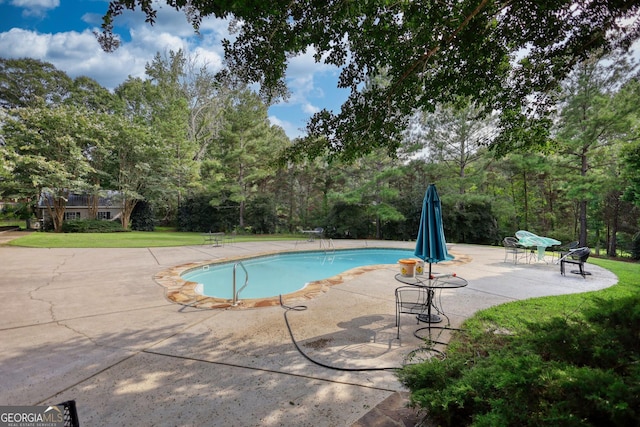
(78,200)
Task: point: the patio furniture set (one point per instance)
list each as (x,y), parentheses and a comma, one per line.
(218,239)
(531,247)
(418,297)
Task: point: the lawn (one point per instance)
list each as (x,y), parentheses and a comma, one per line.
(133,239)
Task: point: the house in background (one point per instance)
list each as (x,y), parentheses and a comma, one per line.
(15,210)
(10,202)
(109,208)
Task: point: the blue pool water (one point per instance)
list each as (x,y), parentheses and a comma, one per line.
(285,273)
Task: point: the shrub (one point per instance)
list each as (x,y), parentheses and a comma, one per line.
(348,221)
(142,217)
(579,370)
(635,247)
(197,214)
(470,222)
(16,211)
(91,226)
(261,215)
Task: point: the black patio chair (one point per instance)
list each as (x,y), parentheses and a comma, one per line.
(411,300)
(512,247)
(576,257)
(564,250)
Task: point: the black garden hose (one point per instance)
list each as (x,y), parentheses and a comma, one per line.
(306,356)
(337,368)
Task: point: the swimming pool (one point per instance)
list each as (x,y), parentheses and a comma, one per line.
(285,273)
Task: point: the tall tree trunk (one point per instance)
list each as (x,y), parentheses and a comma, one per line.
(56,208)
(583,223)
(526,199)
(291,198)
(241,220)
(127,209)
(583,203)
(92,205)
(244,194)
(612,246)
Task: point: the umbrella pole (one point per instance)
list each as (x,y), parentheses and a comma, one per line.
(430,294)
(429,302)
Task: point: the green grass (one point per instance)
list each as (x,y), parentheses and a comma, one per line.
(133,239)
(518,315)
(564,360)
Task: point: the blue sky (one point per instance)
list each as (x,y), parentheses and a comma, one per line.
(60,32)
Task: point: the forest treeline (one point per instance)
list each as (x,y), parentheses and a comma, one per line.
(199,152)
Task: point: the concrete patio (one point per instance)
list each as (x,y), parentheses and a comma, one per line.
(94,325)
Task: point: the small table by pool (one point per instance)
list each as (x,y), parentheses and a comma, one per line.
(213,238)
(436,282)
(312,234)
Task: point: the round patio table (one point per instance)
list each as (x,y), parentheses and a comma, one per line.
(432,283)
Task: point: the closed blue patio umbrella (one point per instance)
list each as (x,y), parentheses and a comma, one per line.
(431,245)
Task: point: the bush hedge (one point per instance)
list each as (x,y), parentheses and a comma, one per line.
(576,370)
(197,214)
(635,247)
(91,226)
(142,217)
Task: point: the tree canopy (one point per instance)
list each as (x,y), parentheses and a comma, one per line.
(198,152)
(29,82)
(505,55)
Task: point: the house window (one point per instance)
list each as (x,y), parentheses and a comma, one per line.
(71,215)
(104,215)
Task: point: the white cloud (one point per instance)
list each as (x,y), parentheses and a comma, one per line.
(218,27)
(310,109)
(168,20)
(35,7)
(78,53)
(290,129)
(304,64)
(94,19)
(17,43)
(146,39)
(303,75)
(32,4)
(310,84)
(209,58)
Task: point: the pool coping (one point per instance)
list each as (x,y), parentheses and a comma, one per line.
(183,292)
